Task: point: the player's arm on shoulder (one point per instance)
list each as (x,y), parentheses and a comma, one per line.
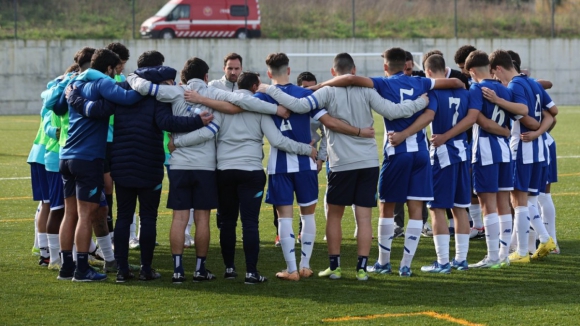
(349,80)
(546,84)
(342,127)
(396,138)
(392,111)
(278,140)
(461,126)
(491,126)
(100,109)
(165,120)
(512,107)
(296,105)
(199,136)
(447,83)
(219,105)
(109,90)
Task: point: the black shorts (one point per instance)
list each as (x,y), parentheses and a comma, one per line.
(107,161)
(195,189)
(83,179)
(358,187)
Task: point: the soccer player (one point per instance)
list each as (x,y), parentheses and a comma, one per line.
(232,70)
(529,157)
(406,172)
(492,163)
(192,176)
(353,161)
(139,173)
(81,166)
(450,168)
(461,55)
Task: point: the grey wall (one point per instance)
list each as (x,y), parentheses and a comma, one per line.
(26,66)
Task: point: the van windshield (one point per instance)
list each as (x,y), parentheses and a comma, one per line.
(166,10)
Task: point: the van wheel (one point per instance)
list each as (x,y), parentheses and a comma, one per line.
(167,34)
(241,34)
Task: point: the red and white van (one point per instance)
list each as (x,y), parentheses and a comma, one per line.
(204,18)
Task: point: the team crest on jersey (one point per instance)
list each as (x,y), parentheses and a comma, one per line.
(285,125)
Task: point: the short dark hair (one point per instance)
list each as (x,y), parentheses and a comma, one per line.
(435,63)
(408,56)
(232,56)
(151,58)
(247,79)
(277,61)
(462,53)
(500,58)
(476,59)
(430,53)
(103,59)
(305,76)
(84,55)
(396,58)
(343,63)
(120,50)
(194,68)
(72,68)
(517,61)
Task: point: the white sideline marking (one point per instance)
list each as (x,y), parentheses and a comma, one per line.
(571,156)
(19,178)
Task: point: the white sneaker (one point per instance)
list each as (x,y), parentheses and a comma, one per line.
(486,263)
(134,243)
(189,242)
(55,265)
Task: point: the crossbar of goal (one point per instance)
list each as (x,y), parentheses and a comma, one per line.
(362,54)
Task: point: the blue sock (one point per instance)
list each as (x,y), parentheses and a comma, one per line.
(67,260)
(362,263)
(178,264)
(200,265)
(334,261)
(82,261)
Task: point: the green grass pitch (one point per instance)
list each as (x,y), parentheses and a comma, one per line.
(540,293)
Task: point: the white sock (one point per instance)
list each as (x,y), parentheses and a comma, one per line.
(475,214)
(491,223)
(189,223)
(412,236)
(505,235)
(355,223)
(36,225)
(92,246)
(548,212)
(386,234)
(53,247)
(452,223)
(133,227)
(307,238)
(43,244)
(106,247)
(442,248)
(532,236)
(522,225)
(287,242)
(74,252)
(461,247)
(536,221)
(514,243)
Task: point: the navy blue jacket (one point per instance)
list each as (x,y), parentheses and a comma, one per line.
(137,148)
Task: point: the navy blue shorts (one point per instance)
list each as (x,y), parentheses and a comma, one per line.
(83,179)
(195,189)
(529,177)
(553,166)
(358,187)
(493,178)
(406,176)
(40,188)
(56,190)
(451,186)
(283,186)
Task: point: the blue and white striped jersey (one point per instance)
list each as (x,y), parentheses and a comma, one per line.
(397,88)
(450,106)
(296,127)
(489,148)
(524,91)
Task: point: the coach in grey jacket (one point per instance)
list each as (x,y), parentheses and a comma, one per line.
(353,161)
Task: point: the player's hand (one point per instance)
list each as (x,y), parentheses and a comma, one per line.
(319,165)
(368,132)
(57,133)
(529,136)
(396,138)
(206,117)
(283,112)
(313,153)
(192,97)
(438,140)
(171,144)
(425,97)
(489,94)
(262,88)
(68,90)
(506,132)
